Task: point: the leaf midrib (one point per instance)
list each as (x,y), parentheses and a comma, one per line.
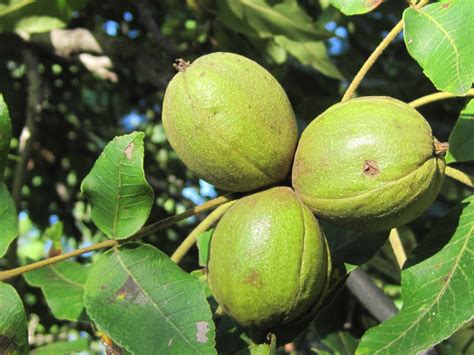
(274,13)
(127,270)
(64,278)
(437,298)
(450,40)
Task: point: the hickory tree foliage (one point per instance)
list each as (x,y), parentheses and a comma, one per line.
(88,221)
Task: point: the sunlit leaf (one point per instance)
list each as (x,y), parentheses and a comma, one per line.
(8,219)
(147,304)
(5,135)
(35,16)
(439,37)
(437,290)
(355,7)
(63,287)
(119,195)
(203,244)
(461,139)
(13,5)
(13,325)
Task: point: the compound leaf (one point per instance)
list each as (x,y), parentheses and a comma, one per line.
(439,37)
(147,304)
(437,289)
(13,325)
(63,287)
(119,195)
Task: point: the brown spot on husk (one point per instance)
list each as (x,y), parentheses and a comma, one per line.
(254,279)
(371,168)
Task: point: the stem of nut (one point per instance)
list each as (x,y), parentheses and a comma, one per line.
(206,223)
(440,147)
(181,65)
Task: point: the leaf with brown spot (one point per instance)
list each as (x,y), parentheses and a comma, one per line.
(129,150)
(117,190)
(146,304)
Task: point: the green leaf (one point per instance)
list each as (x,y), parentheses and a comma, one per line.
(341,342)
(437,290)
(8,220)
(260,349)
(352,247)
(5,135)
(34,16)
(147,304)
(62,347)
(203,244)
(230,337)
(439,37)
(461,139)
(13,5)
(286,18)
(120,197)
(355,7)
(13,325)
(63,287)
(313,54)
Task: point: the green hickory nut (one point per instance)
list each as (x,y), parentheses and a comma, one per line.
(268,261)
(230,121)
(369,164)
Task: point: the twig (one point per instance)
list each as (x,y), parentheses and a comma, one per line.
(436,97)
(165,223)
(371,60)
(460,176)
(4,275)
(370,296)
(375,55)
(206,223)
(33,114)
(397,247)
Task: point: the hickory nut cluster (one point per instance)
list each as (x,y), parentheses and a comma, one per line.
(369,164)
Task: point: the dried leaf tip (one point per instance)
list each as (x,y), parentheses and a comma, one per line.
(440,148)
(181,65)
